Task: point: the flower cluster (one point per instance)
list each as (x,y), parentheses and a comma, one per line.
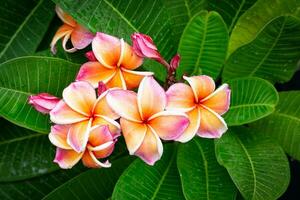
(86,127)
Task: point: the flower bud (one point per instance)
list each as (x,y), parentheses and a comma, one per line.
(101,88)
(43,102)
(175,62)
(144,47)
(90,56)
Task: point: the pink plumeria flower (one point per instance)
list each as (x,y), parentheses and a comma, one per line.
(82,110)
(144,120)
(203,105)
(116,60)
(43,102)
(80,36)
(100,145)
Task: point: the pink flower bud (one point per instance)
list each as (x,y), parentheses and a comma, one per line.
(101,88)
(43,102)
(144,47)
(175,62)
(90,56)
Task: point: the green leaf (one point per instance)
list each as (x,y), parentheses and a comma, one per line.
(230,10)
(258,167)
(203,45)
(37,188)
(284,124)
(141,181)
(24,153)
(201,175)
(252,21)
(25,76)
(23,25)
(251,99)
(92,184)
(273,55)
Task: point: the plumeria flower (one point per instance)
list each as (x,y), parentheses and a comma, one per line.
(203,105)
(100,145)
(80,36)
(82,111)
(144,119)
(116,60)
(43,102)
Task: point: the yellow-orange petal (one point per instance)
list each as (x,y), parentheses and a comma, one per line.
(151,148)
(65,41)
(180,97)
(130,60)
(89,160)
(114,127)
(124,103)
(169,125)
(66,18)
(102,108)
(94,72)
(133,78)
(151,98)
(133,133)
(58,136)
(202,86)
(100,134)
(107,49)
(78,135)
(212,125)
(219,100)
(66,159)
(117,81)
(63,114)
(60,33)
(192,129)
(80,96)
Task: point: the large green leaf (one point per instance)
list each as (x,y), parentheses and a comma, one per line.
(92,184)
(284,124)
(251,99)
(230,10)
(141,181)
(38,187)
(273,55)
(23,25)
(253,20)
(201,175)
(203,45)
(24,76)
(24,153)
(258,167)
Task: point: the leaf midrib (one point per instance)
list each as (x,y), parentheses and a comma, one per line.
(287,116)
(197,67)
(15,90)
(20,28)
(121,15)
(269,51)
(164,176)
(252,105)
(235,16)
(22,138)
(251,164)
(205,167)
